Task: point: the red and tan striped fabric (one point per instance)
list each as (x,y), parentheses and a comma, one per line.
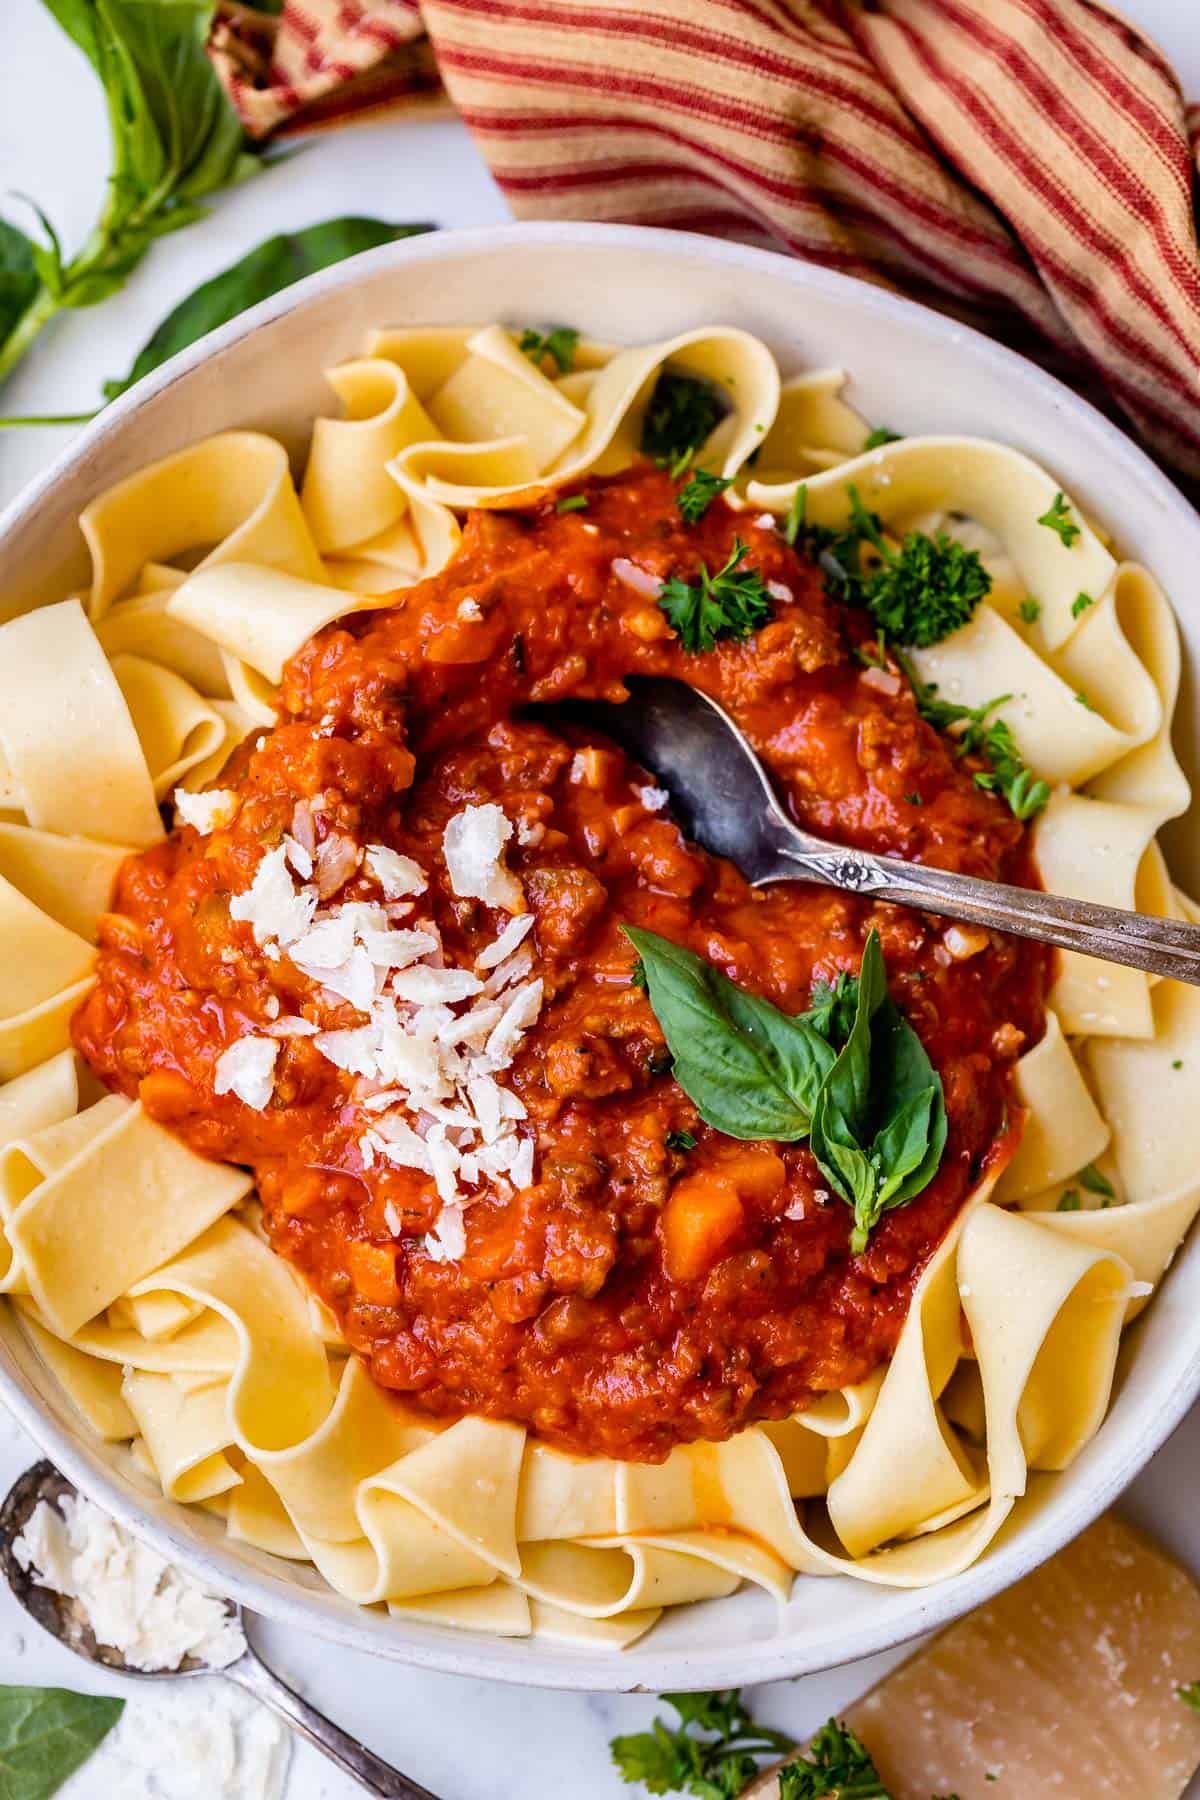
(1024,164)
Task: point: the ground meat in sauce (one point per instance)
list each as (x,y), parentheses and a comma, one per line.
(563,1313)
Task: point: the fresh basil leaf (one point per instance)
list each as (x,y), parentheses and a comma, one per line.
(879,1125)
(751,1070)
(46,1734)
(18,276)
(265,270)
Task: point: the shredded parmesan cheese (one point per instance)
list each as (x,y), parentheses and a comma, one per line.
(473,845)
(247,1069)
(205,812)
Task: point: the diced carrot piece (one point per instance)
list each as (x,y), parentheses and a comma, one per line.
(373,1272)
(702,1214)
(756,1172)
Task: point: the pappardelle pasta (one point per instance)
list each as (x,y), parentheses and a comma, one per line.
(386,1232)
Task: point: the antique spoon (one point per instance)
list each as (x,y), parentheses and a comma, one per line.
(726,803)
(63,1619)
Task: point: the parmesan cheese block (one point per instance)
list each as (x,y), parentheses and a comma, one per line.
(1062,1688)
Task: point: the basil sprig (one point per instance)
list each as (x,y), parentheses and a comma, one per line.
(850,1075)
(879,1124)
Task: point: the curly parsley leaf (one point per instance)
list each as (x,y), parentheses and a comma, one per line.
(992,742)
(837,1764)
(751,1070)
(698,493)
(917,594)
(1057,517)
(559,345)
(48,1733)
(733,603)
(682,412)
(679,1760)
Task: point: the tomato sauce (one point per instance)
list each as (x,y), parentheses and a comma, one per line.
(574,1309)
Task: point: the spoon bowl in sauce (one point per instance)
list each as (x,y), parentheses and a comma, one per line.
(725,803)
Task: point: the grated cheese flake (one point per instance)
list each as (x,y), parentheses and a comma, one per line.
(247,1070)
(397,875)
(205,812)
(512,935)
(473,845)
(272,906)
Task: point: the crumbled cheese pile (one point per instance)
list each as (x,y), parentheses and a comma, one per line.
(200,1741)
(433,1038)
(131,1598)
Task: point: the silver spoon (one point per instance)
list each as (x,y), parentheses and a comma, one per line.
(63,1619)
(726,803)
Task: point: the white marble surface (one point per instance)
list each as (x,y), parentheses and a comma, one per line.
(465,1740)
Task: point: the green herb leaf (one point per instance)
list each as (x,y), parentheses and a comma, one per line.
(1057,517)
(681,1140)
(698,493)
(175,140)
(837,1764)
(46,1734)
(1095,1183)
(733,603)
(18,276)
(265,270)
(1030,610)
(572,503)
(831,1009)
(918,594)
(679,1760)
(682,412)
(559,345)
(1080,604)
(879,1122)
(751,1070)
(1069,1202)
(875,440)
(1006,773)
(1190,1695)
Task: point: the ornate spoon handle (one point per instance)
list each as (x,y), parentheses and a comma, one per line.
(1159,946)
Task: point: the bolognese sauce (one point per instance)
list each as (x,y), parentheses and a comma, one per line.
(655,1282)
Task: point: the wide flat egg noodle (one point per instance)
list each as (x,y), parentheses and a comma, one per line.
(231,495)
(69,743)
(181,1334)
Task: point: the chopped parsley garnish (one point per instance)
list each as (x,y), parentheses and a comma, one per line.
(698,493)
(1030,610)
(733,603)
(1080,604)
(1190,1695)
(1178,1063)
(712,1753)
(917,594)
(1057,517)
(1006,774)
(875,440)
(1090,1178)
(1070,1201)
(559,345)
(914,799)
(681,1140)
(683,411)
(572,503)
(637,976)
(838,1764)
(1084,701)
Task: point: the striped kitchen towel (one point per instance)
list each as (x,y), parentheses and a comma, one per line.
(1027,165)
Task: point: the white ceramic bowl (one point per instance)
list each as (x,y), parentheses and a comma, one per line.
(910,369)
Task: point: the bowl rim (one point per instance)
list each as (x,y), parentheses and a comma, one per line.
(475,1654)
